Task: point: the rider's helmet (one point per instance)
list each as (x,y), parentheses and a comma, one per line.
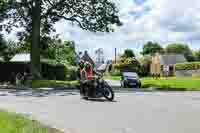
(88,66)
(81,64)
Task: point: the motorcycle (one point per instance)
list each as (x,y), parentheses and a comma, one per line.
(101,89)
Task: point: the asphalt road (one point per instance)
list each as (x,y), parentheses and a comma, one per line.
(132,112)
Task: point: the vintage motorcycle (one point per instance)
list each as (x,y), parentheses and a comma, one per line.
(101,89)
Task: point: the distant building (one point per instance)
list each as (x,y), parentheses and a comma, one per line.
(165,64)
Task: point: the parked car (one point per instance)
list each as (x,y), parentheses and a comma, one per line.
(130,79)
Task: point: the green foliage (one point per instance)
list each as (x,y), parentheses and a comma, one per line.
(127,64)
(37,18)
(115,72)
(177,48)
(71,73)
(197,55)
(90,15)
(61,52)
(10,51)
(54,50)
(128,53)
(146,60)
(53,71)
(188,66)
(2,45)
(13,123)
(7,49)
(3,7)
(150,48)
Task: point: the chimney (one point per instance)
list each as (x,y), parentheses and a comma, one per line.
(86,53)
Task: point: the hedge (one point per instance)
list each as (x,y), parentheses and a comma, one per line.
(71,72)
(49,71)
(188,66)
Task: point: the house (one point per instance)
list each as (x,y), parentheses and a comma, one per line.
(86,57)
(49,68)
(165,64)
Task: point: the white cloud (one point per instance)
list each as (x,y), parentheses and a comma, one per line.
(155,20)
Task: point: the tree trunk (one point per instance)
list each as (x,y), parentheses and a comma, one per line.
(35,44)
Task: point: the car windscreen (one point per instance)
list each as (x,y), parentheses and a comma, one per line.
(130,75)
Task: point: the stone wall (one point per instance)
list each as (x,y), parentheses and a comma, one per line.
(188,73)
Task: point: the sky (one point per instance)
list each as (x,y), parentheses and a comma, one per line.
(163,21)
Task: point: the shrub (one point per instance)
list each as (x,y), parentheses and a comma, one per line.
(127,64)
(52,72)
(71,72)
(188,66)
(115,72)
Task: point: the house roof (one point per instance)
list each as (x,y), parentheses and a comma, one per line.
(102,67)
(23,57)
(26,57)
(172,59)
(86,57)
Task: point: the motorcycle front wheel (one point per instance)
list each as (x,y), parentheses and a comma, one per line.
(108,93)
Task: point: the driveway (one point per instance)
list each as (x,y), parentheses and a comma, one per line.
(133,112)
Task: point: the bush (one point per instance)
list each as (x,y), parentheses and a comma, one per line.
(127,65)
(115,72)
(188,66)
(144,71)
(71,72)
(52,72)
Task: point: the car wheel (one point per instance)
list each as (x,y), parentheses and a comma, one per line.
(125,86)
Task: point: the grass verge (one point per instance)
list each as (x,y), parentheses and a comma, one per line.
(176,84)
(54,84)
(13,123)
(113,77)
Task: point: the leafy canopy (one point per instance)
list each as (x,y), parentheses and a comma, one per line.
(177,48)
(197,55)
(150,48)
(92,15)
(128,53)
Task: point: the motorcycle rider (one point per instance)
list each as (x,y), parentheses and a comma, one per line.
(87,76)
(81,67)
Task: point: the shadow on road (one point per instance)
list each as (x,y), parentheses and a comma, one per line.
(99,100)
(38,93)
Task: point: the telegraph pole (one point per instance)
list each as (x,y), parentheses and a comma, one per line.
(115,55)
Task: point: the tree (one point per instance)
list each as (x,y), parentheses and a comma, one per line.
(176,48)
(2,45)
(146,61)
(57,50)
(37,17)
(197,55)
(150,48)
(128,53)
(10,51)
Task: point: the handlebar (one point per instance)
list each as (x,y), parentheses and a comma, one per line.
(97,77)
